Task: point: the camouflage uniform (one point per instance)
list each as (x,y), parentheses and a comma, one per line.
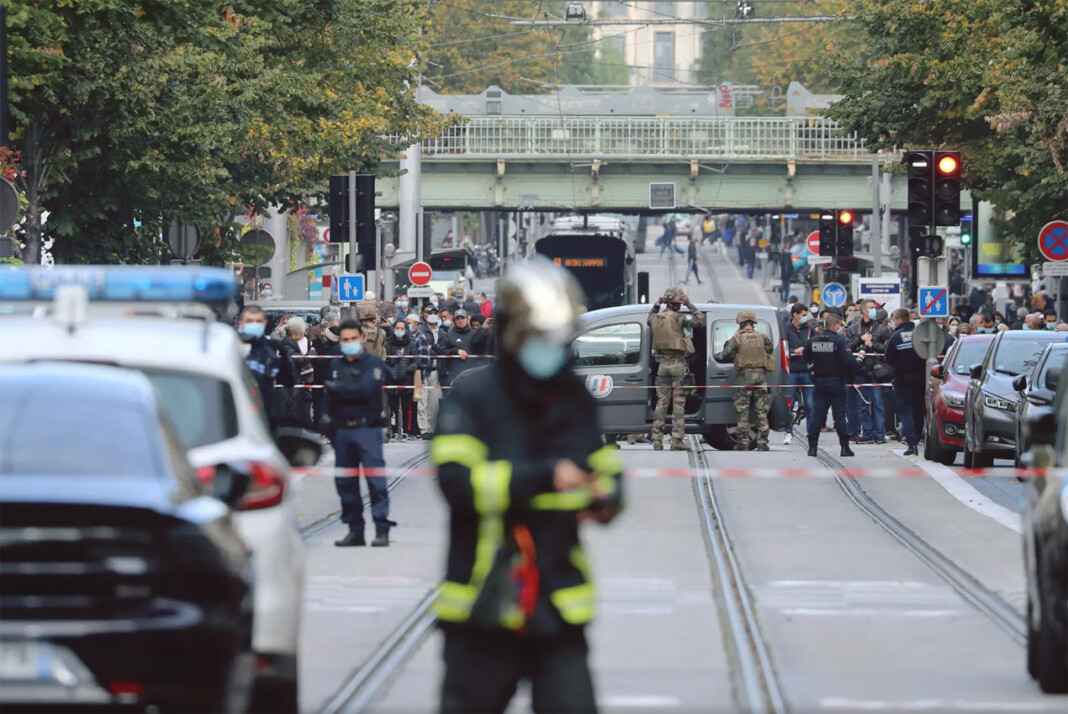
(673,348)
(752,364)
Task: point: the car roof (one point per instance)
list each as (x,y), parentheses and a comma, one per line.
(1032,336)
(85,381)
(184,345)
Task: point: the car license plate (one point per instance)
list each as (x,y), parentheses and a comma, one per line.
(25,661)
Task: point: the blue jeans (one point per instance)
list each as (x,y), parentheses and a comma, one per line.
(872,419)
(801,389)
(671,246)
(354,448)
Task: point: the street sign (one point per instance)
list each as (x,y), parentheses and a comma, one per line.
(662,196)
(419,274)
(934,301)
(183,239)
(1055,270)
(813,242)
(1053,240)
(820,259)
(834,295)
(928,339)
(420,291)
(885,291)
(350,288)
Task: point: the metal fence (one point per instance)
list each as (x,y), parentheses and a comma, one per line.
(718,138)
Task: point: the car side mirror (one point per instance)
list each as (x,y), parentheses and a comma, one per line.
(938,372)
(1019,382)
(1053,379)
(976,371)
(300,447)
(227,482)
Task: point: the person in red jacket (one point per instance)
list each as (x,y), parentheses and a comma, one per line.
(485,306)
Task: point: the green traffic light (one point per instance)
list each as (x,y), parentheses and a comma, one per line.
(965,238)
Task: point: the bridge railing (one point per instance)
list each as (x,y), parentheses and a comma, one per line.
(705,138)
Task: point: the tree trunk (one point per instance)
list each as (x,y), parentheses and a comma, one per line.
(31,254)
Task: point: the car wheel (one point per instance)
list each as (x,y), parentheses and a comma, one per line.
(949,457)
(1051,651)
(722,437)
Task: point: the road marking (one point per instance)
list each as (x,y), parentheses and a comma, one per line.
(932,705)
(650,701)
(969,495)
(867,612)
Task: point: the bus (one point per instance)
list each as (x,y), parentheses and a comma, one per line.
(598,252)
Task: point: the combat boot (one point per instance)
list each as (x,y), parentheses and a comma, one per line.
(846,451)
(381,539)
(741,447)
(677,445)
(763,447)
(352,538)
(812,448)
(658,442)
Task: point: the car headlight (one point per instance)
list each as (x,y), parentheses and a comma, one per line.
(953,399)
(996,403)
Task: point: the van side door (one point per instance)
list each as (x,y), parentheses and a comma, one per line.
(612,358)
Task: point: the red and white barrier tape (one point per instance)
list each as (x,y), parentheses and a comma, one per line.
(761,473)
(635,386)
(469,356)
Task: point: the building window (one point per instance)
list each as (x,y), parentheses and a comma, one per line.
(664,8)
(664,57)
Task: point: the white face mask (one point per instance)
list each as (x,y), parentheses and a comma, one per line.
(432,319)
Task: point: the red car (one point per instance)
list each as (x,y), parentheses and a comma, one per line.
(945,398)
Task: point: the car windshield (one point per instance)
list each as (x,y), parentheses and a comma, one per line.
(200,407)
(969,353)
(1018,356)
(81,439)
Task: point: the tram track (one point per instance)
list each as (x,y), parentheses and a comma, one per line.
(321,525)
(759,686)
(987,602)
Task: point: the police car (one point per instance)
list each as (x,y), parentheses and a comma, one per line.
(139,317)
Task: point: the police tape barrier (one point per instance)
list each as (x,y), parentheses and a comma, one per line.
(635,386)
(469,356)
(731,473)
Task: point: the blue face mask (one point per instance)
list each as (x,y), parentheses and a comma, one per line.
(542,359)
(446,323)
(1051,325)
(253,330)
(351,349)
(399,334)
(1026,326)
(985,330)
(871,314)
(403,304)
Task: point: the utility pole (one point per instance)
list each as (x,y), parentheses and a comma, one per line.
(353,223)
(876,217)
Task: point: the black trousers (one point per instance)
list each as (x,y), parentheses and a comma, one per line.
(401,416)
(483,669)
(828,393)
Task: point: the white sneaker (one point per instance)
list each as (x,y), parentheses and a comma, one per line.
(788,439)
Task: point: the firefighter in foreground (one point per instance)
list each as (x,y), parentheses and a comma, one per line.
(521,463)
(673,348)
(751,353)
(831,364)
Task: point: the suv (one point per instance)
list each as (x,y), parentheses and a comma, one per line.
(614,346)
(945,398)
(1045,540)
(990,402)
(197,366)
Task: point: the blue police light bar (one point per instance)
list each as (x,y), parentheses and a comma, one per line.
(122,283)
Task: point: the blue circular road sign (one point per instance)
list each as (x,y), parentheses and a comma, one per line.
(833,295)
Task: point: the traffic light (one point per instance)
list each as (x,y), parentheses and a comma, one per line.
(844,238)
(339,208)
(966,228)
(828,232)
(947,188)
(921,188)
(365,218)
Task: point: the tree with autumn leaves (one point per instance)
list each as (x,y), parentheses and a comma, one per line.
(131,113)
(987,77)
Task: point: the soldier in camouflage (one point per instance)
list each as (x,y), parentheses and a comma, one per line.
(674,349)
(751,353)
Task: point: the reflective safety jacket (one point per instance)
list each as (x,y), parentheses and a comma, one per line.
(497,440)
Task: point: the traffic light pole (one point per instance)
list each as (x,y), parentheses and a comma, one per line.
(353,223)
(876,217)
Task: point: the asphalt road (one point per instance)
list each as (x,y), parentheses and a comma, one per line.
(850,618)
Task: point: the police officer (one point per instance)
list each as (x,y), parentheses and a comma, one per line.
(909,379)
(264,358)
(673,348)
(831,366)
(355,390)
(751,353)
(521,463)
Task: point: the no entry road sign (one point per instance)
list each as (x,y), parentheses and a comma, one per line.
(813,242)
(420,274)
(1053,240)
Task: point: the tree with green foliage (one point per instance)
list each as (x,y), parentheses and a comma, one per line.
(986,77)
(136,112)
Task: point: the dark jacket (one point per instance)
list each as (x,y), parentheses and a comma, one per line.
(829,358)
(401,371)
(880,335)
(901,355)
(325,347)
(291,403)
(797,337)
(269,366)
(355,391)
(457,340)
(497,439)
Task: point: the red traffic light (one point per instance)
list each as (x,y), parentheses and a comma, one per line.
(845,218)
(948,165)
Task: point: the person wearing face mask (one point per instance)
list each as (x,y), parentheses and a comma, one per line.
(986,324)
(832,366)
(263,357)
(865,407)
(521,464)
(427,394)
(401,374)
(293,406)
(1050,318)
(798,332)
(403,310)
(325,345)
(673,350)
(751,351)
(459,338)
(356,396)
(909,379)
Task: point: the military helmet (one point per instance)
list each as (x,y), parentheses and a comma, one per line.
(673,295)
(745,316)
(366,311)
(537,298)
